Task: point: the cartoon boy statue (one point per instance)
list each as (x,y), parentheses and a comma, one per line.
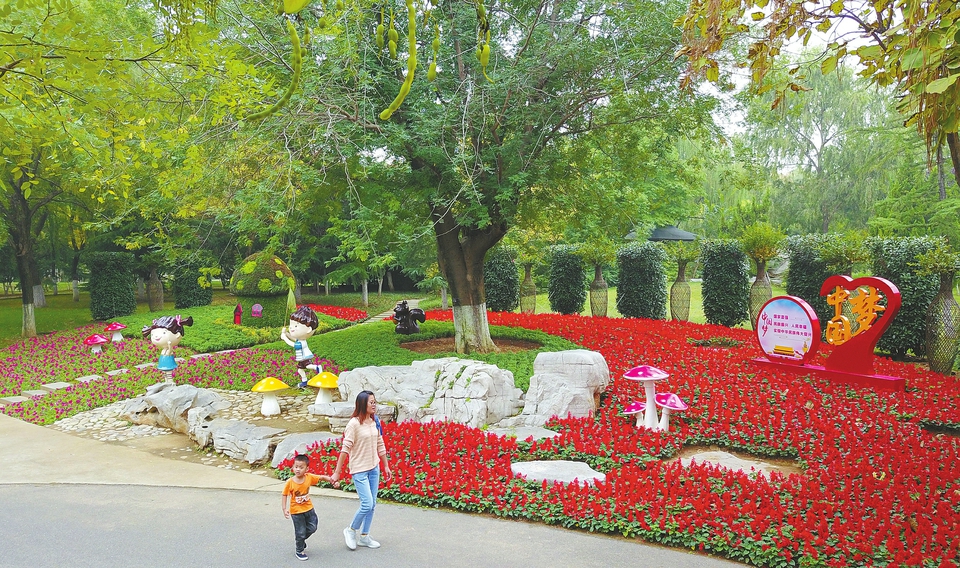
(303,324)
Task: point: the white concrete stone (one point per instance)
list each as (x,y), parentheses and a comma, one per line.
(116,372)
(50,387)
(34,393)
(564,471)
(145,365)
(12,400)
(730,461)
(88,378)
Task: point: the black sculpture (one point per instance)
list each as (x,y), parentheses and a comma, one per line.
(407,318)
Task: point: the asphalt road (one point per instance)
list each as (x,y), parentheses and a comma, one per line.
(105,526)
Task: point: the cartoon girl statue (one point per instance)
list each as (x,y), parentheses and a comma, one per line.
(166,333)
(303,324)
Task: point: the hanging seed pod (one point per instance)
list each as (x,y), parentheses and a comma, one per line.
(294,6)
(432,72)
(411,63)
(297,64)
(393,48)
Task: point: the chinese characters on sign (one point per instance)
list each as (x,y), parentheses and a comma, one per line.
(787,329)
(865,305)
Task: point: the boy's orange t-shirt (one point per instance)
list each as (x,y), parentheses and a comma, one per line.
(300,492)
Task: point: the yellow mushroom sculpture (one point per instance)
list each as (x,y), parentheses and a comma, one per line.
(269,387)
(326,383)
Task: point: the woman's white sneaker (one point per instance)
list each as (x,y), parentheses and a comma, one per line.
(350,537)
(365,540)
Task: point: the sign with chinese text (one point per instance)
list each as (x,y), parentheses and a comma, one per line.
(863,308)
(788,330)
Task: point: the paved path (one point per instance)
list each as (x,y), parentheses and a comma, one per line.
(69,501)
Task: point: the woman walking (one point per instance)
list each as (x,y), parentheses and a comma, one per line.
(363,443)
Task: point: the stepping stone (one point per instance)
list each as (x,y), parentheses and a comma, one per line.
(201,355)
(33,393)
(225,351)
(523,433)
(116,372)
(564,471)
(145,365)
(50,387)
(730,461)
(12,400)
(88,378)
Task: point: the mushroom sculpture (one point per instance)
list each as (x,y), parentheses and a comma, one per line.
(269,387)
(648,376)
(95,341)
(115,327)
(326,383)
(635,407)
(668,402)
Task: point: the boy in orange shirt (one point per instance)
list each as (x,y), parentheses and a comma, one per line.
(300,507)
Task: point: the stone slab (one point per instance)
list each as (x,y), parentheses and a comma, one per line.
(297,444)
(730,461)
(145,365)
(201,355)
(50,387)
(12,400)
(564,471)
(88,378)
(33,393)
(523,433)
(116,372)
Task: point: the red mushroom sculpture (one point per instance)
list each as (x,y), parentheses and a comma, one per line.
(668,402)
(95,341)
(635,407)
(115,327)
(648,375)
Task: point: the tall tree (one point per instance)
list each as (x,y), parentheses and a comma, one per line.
(479,140)
(910,45)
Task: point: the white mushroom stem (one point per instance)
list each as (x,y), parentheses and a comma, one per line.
(664,423)
(324,396)
(650,411)
(96,349)
(117,337)
(270,406)
(640,420)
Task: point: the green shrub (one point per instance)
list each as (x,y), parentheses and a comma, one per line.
(376,344)
(895,259)
(501,280)
(263,279)
(643,281)
(567,289)
(191,288)
(112,285)
(726,285)
(807,273)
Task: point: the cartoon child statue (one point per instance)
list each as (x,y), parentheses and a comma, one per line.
(303,324)
(166,333)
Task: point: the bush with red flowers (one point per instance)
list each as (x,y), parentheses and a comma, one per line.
(340,312)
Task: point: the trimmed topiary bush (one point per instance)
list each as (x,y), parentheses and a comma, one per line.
(896,259)
(112,285)
(501,280)
(807,273)
(643,281)
(191,288)
(263,279)
(726,285)
(567,290)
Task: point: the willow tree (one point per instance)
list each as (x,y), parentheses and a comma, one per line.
(471,105)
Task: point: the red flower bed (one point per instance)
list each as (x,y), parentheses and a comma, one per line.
(878,487)
(339,312)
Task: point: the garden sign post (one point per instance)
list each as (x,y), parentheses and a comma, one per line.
(788,331)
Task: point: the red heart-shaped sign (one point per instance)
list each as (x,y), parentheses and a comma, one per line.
(856,354)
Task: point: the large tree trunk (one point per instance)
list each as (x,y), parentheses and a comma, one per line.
(953,142)
(75,275)
(29,327)
(154,291)
(460,253)
(390,281)
(365,293)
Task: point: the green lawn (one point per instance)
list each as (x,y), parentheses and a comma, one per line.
(63,313)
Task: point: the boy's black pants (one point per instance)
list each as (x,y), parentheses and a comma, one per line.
(304,525)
